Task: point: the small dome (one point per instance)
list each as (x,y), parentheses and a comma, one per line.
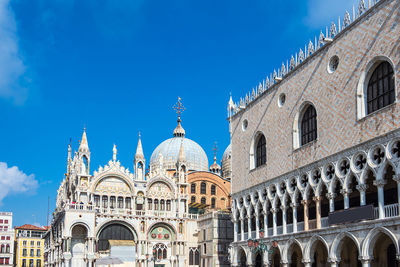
(215,168)
(226,163)
(196,158)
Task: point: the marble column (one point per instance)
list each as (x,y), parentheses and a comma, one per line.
(317,200)
(274,222)
(249,226)
(331,197)
(381,200)
(365,262)
(242,229)
(362,188)
(284,220)
(265,224)
(257,225)
(294,210)
(345,194)
(236,229)
(305,204)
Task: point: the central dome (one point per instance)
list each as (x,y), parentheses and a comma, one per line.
(196,158)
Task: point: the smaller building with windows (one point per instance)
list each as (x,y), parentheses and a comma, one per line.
(6,239)
(29,245)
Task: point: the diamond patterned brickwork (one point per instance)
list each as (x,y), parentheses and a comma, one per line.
(333,95)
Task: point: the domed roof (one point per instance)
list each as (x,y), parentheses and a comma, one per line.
(196,158)
(226,163)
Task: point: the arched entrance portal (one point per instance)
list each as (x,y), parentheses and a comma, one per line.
(242,258)
(319,254)
(161,236)
(349,254)
(117,240)
(384,251)
(295,257)
(259,262)
(275,257)
(79,235)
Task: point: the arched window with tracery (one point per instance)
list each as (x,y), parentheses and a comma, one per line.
(193,188)
(203,187)
(261,151)
(380,90)
(308,125)
(155,204)
(160,251)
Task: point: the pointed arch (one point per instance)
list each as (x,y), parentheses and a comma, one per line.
(334,252)
(309,248)
(369,242)
(286,253)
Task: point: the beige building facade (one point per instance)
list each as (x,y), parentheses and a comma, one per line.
(315,151)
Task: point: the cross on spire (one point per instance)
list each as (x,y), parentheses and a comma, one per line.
(179,108)
(215,150)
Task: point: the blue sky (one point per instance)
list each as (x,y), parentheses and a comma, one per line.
(117,67)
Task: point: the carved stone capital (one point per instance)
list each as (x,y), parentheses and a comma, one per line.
(274,210)
(345,192)
(330,195)
(294,205)
(284,208)
(379,183)
(396,177)
(305,202)
(362,187)
(317,198)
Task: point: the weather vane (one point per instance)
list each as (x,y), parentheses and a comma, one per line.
(179,108)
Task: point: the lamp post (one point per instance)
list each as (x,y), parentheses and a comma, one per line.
(256,245)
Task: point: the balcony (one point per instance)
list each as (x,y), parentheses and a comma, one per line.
(392,210)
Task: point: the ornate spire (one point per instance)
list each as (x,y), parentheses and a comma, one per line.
(332,30)
(83,146)
(346,19)
(179,108)
(182,156)
(139,150)
(361,8)
(115,153)
(215,168)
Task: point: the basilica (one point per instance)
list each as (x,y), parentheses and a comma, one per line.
(145,217)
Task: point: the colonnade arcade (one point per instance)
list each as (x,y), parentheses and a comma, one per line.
(379,248)
(301,201)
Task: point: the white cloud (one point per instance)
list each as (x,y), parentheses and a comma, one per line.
(12,67)
(321,13)
(14,181)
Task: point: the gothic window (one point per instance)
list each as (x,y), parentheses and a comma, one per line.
(150,204)
(155,204)
(120,202)
(193,199)
(203,200)
(191,257)
(197,257)
(213,190)
(380,91)
(160,251)
(309,125)
(168,205)
(193,188)
(105,202)
(97,201)
(162,204)
(128,203)
(112,202)
(203,187)
(261,151)
(213,203)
